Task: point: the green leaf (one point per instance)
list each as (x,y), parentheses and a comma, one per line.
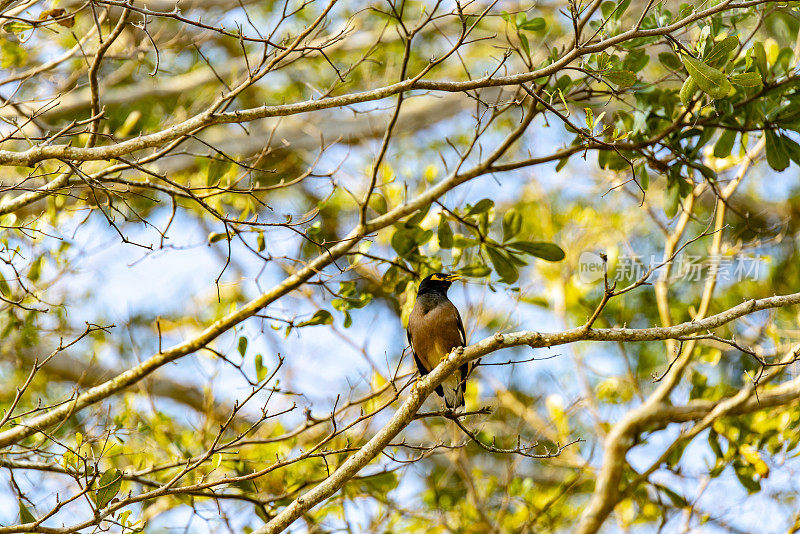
(515,259)
(677,500)
(475,270)
(792,148)
(459,241)
(688,90)
(242,346)
(540,249)
(777,157)
(261,369)
(415,219)
(526,46)
(718,55)
(108,486)
(261,243)
(261,514)
(423,237)
(319,318)
(622,78)
(502,265)
(512,224)
(16,26)
(761,59)
(213,237)
(445,234)
(672,199)
(725,144)
(602,158)
(216,170)
(35,270)
(378,203)
(670,60)
(745,475)
(481,207)
(534,25)
(713,441)
(616,9)
(747,79)
(5,289)
(675,455)
(635,60)
(403,241)
(781,64)
(707,173)
(644,178)
(25,516)
(710,80)
(607,8)
(622,6)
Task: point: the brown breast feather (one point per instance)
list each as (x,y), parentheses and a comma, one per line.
(434,334)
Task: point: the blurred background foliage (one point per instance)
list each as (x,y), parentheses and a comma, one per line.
(134,254)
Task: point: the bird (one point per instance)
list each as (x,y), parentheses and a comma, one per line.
(435,329)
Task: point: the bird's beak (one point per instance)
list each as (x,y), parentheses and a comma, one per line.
(453,277)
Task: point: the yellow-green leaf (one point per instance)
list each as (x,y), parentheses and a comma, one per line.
(261,369)
(320,317)
(25,516)
(108,486)
(622,78)
(481,206)
(710,80)
(16,26)
(721,50)
(747,79)
(512,224)
(688,90)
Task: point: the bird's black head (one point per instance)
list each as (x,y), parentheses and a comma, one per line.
(437,283)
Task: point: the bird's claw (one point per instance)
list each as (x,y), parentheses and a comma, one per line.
(458,351)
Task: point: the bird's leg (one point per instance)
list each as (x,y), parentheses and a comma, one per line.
(458,352)
(415,383)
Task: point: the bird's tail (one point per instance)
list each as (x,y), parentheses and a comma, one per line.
(455,436)
(453,389)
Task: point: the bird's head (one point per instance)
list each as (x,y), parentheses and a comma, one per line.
(437,282)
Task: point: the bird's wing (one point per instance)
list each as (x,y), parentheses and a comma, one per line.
(460,328)
(422,369)
(466,369)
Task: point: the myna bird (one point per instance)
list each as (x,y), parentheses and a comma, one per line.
(435,329)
